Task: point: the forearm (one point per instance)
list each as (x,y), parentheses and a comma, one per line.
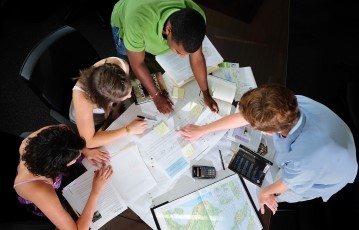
(199,69)
(228,122)
(141,71)
(144,76)
(105,137)
(85,219)
(275,188)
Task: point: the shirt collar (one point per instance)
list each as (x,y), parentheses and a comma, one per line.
(300,120)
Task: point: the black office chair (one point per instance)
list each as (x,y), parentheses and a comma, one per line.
(52,64)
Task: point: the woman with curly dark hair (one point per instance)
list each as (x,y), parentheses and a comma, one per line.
(44,157)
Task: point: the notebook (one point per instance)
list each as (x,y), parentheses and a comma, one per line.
(249,165)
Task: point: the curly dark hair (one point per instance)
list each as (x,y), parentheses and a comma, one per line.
(188,28)
(48,153)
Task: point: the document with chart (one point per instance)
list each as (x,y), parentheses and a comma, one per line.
(223,205)
(165,148)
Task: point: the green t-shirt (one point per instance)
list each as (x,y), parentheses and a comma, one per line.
(141,22)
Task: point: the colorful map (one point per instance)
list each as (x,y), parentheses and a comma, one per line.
(223,205)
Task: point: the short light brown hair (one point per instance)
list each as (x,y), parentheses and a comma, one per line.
(270,108)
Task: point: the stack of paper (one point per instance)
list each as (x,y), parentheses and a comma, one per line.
(242,76)
(122,190)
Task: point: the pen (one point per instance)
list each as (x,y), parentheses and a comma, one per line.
(220,154)
(147,118)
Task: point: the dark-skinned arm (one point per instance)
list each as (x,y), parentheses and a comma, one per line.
(199,69)
(141,71)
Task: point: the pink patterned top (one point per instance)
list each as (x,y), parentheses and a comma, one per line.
(35,210)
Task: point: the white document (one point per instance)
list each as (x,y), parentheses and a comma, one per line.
(110,203)
(247,136)
(245,81)
(179,69)
(227,71)
(242,76)
(166,147)
(129,185)
(132,179)
(223,93)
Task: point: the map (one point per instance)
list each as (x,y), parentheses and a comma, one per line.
(223,205)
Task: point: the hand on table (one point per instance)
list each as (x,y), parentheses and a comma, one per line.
(210,102)
(191,132)
(101,177)
(163,104)
(137,126)
(96,155)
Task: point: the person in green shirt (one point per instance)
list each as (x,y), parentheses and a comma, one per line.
(155,26)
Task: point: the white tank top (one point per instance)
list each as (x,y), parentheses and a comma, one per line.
(95,110)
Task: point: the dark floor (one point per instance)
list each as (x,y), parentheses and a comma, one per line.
(309,45)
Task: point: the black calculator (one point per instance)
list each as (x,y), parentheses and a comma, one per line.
(203,172)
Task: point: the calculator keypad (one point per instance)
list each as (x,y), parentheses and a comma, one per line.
(208,172)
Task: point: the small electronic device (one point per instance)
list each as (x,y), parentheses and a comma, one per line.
(203,172)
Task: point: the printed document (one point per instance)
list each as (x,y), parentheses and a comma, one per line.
(223,93)
(247,136)
(123,189)
(242,76)
(179,69)
(129,185)
(109,205)
(168,149)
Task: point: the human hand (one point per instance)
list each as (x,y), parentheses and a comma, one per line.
(101,177)
(163,104)
(96,155)
(270,200)
(191,132)
(137,126)
(210,102)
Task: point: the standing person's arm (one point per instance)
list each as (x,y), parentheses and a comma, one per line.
(199,69)
(140,69)
(267,195)
(193,132)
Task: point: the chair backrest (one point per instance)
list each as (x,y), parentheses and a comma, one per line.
(52,64)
